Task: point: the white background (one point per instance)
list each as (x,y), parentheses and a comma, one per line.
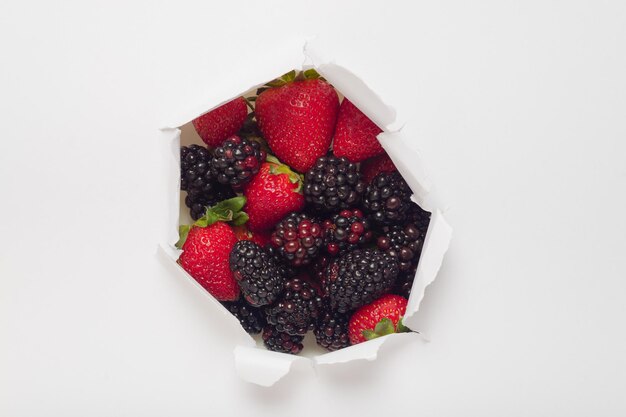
(519,107)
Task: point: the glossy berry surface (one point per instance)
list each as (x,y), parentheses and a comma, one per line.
(387,199)
(346,231)
(259,276)
(197,179)
(333,184)
(298,238)
(358,278)
(297,309)
(281,342)
(251,319)
(236,161)
(403,243)
(331,331)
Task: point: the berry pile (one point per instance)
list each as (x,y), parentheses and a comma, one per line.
(302,222)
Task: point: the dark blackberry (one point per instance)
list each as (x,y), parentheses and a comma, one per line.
(333,184)
(195,167)
(402,242)
(297,309)
(237,161)
(404,282)
(359,277)
(281,342)
(252,319)
(196,178)
(420,217)
(259,275)
(346,231)
(388,198)
(331,331)
(198,200)
(285,269)
(319,271)
(298,238)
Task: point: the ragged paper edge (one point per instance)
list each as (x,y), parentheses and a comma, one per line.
(258,365)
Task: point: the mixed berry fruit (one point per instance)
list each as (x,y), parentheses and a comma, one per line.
(302,222)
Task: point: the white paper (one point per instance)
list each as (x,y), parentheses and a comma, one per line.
(254,363)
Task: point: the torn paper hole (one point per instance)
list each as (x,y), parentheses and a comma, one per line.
(253,362)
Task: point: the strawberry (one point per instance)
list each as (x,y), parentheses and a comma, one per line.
(355,134)
(206,248)
(380,318)
(260,238)
(217,125)
(297,118)
(273,193)
(376,165)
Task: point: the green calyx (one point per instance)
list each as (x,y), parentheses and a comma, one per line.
(277,168)
(383,328)
(224,211)
(291,76)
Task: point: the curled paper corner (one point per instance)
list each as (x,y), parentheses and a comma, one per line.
(264,367)
(435,247)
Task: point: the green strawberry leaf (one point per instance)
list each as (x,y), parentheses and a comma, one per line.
(240,218)
(369,334)
(384,327)
(278,168)
(311,74)
(183,231)
(224,211)
(401,328)
(228,207)
(284,79)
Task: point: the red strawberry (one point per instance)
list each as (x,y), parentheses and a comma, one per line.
(206,248)
(376,165)
(379,318)
(298,119)
(273,193)
(217,125)
(260,238)
(355,134)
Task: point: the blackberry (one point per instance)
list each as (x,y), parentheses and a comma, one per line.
(346,231)
(297,309)
(333,184)
(237,161)
(198,200)
(388,198)
(197,179)
(359,277)
(331,331)
(195,167)
(420,217)
(285,269)
(259,276)
(281,342)
(404,282)
(252,319)
(319,272)
(298,238)
(403,243)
